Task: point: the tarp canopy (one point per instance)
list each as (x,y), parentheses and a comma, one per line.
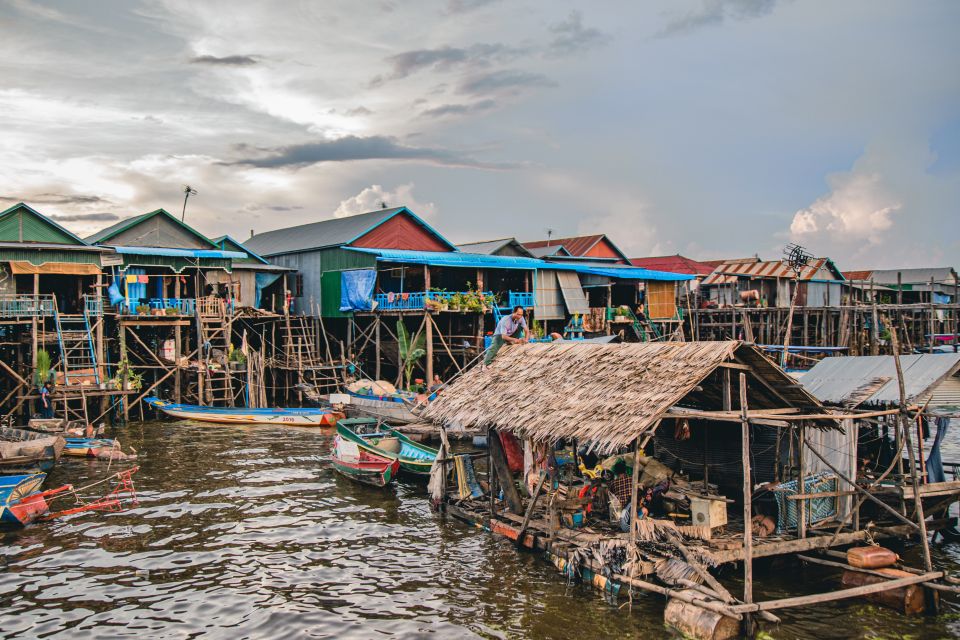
(54,268)
(356,289)
(263,280)
(180,253)
(572,292)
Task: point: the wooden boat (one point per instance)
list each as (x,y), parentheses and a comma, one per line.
(88,447)
(26,451)
(373,436)
(361,465)
(21,501)
(307,417)
(396,408)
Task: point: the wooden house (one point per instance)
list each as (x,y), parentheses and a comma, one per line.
(595,248)
(252,281)
(821,284)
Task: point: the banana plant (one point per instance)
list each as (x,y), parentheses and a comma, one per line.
(410,351)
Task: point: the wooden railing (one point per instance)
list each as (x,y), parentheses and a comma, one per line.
(13,305)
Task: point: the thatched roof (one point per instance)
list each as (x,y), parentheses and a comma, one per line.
(604,394)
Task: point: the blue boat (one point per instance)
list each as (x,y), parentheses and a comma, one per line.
(21,501)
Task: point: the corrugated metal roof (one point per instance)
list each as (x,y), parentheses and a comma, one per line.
(224,241)
(452,259)
(327,233)
(577,245)
(490,247)
(41,234)
(674,264)
(105,234)
(941,275)
(836,380)
(545,252)
(729,272)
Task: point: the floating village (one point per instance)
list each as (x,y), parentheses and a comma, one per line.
(653,427)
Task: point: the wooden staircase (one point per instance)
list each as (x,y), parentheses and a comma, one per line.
(75,337)
(299,344)
(214,332)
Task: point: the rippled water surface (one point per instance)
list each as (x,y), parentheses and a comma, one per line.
(246,532)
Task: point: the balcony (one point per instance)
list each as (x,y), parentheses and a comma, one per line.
(525,299)
(18,306)
(180,306)
(451,300)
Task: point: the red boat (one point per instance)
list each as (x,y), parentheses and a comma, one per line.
(363,466)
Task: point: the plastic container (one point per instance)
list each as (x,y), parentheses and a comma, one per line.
(871,557)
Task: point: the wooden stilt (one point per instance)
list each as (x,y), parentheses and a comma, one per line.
(747,503)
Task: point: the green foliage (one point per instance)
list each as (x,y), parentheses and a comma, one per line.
(410,351)
(42,373)
(143,309)
(537,329)
(236,355)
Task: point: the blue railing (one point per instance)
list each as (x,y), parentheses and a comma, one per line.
(521,298)
(26,306)
(183,306)
(93,306)
(416,300)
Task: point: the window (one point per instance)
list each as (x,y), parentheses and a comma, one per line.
(298,286)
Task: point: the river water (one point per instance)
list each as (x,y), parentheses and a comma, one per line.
(245,532)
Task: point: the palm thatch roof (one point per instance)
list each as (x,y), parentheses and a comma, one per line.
(607,394)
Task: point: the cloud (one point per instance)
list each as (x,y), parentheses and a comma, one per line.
(375,196)
(464,6)
(350,148)
(715,12)
(102,216)
(445,58)
(571,36)
(858,207)
(56,198)
(459,109)
(227,61)
(505,82)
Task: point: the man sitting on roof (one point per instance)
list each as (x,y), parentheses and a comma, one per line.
(511,329)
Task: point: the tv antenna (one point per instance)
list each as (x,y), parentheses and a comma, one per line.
(549,235)
(187,192)
(796,257)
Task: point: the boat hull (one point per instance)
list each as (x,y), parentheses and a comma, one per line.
(363,466)
(21,449)
(18,507)
(415,459)
(87,447)
(309,417)
(389,410)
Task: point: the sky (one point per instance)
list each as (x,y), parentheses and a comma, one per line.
(710,128)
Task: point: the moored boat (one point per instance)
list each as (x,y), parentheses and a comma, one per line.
(361,465)
(373,436)
(87,447)
(306,417)
(22,451)
(21,501)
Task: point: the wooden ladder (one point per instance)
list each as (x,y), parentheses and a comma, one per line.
(299,349)
(214,329)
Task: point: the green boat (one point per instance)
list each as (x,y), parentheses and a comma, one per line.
(374,436)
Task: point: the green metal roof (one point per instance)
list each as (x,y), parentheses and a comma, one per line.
(23,223)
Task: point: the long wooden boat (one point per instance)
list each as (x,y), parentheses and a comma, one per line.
(21,501)
(307,417)
(396,408)
(87,447)
(361,465)
(373,436)
(27,451)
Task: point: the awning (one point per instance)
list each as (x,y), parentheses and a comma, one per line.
(54,268)
(572,292)
(547,302)
(179,253)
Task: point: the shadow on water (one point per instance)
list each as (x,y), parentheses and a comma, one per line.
(246,532)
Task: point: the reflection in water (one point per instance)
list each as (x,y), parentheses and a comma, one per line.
(246,532)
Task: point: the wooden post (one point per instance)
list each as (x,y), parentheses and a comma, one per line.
(634,555)
(376,347)
(801,484)
(911,455)
(36,317)
(177,344)
(786,337)
(609,306)
(747,500)
(101,352)
(502,469)
(933,314)
(429,327)
(125,371)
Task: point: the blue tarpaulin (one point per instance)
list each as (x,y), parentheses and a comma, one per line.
(356,289)
(263,281)
(935,462)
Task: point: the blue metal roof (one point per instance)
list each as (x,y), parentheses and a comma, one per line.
(452,259)
(484,261)
(178,253)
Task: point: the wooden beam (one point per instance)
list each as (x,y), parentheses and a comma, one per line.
(501,468)
(747,497)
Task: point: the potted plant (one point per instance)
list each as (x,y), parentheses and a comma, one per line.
(143,309)
(171,311)
(43,372)
(157,312)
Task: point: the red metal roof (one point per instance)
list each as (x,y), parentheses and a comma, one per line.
(674,264)
(713,264)
(728,272)
(577,246)
(858,275)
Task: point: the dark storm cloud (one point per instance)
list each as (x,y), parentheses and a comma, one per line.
(55,198)
(354,148)
(445,58)
(459,109)
(103,216)
(715,12)
(570,36)
(506,81)
(227,61)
